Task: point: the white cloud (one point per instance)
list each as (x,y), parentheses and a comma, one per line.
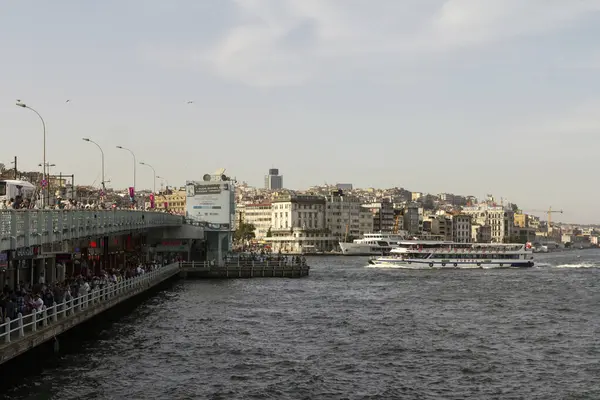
(284,42)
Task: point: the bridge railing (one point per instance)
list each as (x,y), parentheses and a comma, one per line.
(24,228)
(241,263)
(26,324)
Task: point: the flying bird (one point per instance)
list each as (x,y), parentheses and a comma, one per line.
(67,101)
(190,101)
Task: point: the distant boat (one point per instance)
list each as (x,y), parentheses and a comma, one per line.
(371,244)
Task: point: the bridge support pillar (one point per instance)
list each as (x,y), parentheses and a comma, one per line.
(52,269)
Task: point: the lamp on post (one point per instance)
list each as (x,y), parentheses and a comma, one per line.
(165,181)
(154,176)
(102,153)
(134,164)
(23,105)
(47,180)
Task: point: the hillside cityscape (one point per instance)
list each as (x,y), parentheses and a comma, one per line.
(318,218)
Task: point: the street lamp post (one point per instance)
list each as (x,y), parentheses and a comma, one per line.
(164,181)
(20,104)
(101,152)
(134,164)
(154,176)
(48,177)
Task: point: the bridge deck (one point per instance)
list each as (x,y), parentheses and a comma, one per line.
(24,228)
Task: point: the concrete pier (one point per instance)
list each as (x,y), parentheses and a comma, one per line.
(273,269)
(27,332)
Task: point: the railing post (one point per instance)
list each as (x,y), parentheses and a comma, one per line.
(45,316)
(7,337)
(54,308)
(21,331)
(34,321)
(63,310)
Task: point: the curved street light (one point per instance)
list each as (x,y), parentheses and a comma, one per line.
(23,105)
(101,152)
(164,179)
(134,163)
(154,176)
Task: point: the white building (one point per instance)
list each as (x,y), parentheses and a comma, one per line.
(258,215)
(461,228)
(345,217)
(499,219)
(298,225)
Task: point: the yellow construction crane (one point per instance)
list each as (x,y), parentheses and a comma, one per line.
(396,223)
(549,212)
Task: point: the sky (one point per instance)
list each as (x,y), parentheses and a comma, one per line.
(461,96)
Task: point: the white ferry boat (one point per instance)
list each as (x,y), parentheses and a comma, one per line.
(372,244)
(431,254)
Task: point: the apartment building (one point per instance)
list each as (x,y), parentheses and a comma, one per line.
(298,224)
(461,228)
(413,219)
(174,201)
(345,216)
(441,225)
(499,219)
(259,215)
(382,214)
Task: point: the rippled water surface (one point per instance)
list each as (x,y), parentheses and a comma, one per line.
(350,332)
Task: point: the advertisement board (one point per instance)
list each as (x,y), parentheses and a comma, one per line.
(210,204)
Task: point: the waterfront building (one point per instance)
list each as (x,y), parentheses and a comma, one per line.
(298,224)
(498,218)
(523,234)
(258,215)
(441,225)
(461,228)
(520,220)
(173,200)
(413,219)
(481,233)
(346,218)
(382,214)
(273,181)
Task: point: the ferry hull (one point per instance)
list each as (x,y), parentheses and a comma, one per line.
(439,264)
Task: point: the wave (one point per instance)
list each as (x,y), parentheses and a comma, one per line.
(578,265)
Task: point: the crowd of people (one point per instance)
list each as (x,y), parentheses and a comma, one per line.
(26,298)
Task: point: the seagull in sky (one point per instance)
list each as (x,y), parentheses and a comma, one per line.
(190,102)
(67,101)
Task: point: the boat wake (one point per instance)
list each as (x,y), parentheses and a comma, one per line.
(578,265)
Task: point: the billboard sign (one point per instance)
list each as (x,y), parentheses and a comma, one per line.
(210,204)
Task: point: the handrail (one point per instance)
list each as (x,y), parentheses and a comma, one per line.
(57,312)
(248,263)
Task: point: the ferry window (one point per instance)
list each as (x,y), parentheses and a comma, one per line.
(2,188)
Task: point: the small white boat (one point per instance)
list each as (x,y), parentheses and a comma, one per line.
(433,254)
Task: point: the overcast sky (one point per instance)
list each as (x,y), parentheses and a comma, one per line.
(464,96)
